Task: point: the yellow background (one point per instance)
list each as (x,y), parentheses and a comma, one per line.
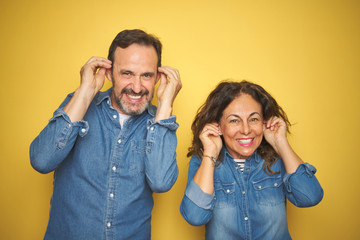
(305,53)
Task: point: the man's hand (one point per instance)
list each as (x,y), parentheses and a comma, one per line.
(169,87)
(92,80)
(93,74)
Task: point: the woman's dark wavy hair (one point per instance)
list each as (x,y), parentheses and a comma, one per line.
(212,110)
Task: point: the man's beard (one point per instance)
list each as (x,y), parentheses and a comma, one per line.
(127,107)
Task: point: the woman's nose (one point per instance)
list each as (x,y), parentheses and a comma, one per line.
(245,128)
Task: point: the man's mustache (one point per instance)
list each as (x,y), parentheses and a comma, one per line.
(130,91)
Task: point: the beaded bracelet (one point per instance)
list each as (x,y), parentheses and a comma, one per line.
(212,158)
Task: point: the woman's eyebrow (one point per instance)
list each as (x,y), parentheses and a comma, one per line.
(233,115)
(237,116)
(254,114)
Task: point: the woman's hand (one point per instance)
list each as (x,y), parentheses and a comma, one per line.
(211,140)
(275,132)
(212,143)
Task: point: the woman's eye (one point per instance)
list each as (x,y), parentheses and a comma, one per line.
(254,120)
(234,121)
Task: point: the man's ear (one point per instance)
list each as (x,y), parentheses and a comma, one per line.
(108,74)
(158,77)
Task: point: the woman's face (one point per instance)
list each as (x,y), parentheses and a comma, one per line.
(242,126)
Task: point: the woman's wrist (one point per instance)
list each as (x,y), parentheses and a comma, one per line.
(282,144)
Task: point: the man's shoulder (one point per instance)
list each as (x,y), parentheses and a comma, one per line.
(102,96)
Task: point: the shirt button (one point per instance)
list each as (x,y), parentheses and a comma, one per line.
(259,187)
(246,218)
(114,116)
(247,169)
(152,128)
(108,224)
(227,191)
(119,141)
(114,168)
(111,195)
(243,192)
(275,184)
(83,130)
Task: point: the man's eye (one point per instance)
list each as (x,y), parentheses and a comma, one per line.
(234,121)
(147,75)
(254,120)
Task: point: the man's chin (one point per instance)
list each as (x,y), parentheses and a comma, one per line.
(134,110)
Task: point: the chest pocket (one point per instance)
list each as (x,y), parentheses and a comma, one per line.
(137,156)
(224,194)
(269,191)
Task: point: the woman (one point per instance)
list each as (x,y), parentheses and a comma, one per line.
(242,168)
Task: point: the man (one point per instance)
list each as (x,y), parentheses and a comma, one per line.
(111,150)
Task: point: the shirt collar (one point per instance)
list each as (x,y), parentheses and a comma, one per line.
(255,156)
(105,96)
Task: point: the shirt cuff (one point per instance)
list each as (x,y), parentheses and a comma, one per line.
(306,168)
(169,123)
(197,196)
(82,126)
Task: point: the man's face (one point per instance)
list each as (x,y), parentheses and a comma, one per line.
(134,75)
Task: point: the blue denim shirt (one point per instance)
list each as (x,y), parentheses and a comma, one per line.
(250,204)
(104,174)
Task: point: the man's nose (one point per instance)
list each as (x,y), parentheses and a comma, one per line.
(137,84)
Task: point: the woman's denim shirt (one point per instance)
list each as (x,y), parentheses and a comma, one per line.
(249,204)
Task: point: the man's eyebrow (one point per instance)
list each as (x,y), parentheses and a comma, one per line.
(148,73)
(125,71)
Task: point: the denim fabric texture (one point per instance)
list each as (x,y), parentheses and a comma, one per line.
(104,174)
(251,204)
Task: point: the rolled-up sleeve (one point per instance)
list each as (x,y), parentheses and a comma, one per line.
(302,187)
(55,141)
(196,206)
(161,169)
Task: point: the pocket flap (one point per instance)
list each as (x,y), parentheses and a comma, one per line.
(269,182)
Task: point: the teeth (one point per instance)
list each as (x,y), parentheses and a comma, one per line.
(134,96)
(244,141)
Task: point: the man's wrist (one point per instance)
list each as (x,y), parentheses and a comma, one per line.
(163,112)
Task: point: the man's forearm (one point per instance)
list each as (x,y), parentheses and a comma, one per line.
(78,105)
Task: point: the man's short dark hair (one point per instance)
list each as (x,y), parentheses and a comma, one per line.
(127,37)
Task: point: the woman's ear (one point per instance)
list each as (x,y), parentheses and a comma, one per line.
(264,126)
(219,127)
